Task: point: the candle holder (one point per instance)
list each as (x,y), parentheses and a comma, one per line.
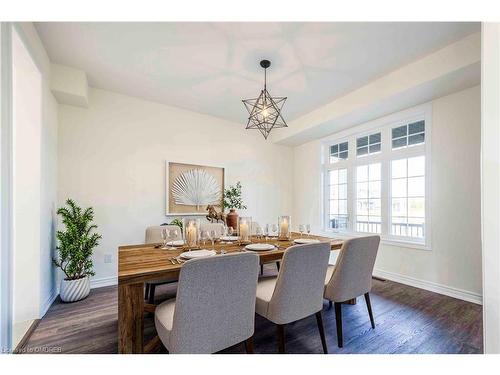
(284,225)
(191,229)
(245,229)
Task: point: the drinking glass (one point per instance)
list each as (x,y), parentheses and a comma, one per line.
(175,234)
(258,232)
(164,237)
(308,229)
(213,237)
(274,230)
(266,232)
(205,235)
(302,229)
(230,231)
(171,236)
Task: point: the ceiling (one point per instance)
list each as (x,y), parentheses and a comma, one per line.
(210,67)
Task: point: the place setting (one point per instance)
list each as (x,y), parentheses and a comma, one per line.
(198,240)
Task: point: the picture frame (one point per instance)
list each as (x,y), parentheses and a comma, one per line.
(179,178)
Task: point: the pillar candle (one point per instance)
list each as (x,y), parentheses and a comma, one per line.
(191,235)
(244,231)
(284,228)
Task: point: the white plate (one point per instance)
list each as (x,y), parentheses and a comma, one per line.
(305,240)
(260,247)
(197,254)
(176,243)
(229,238)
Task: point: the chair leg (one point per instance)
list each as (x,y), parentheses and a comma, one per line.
(146,292)
(281,338)
(369,305)
(249,345)
(152,294)
(319,320)
(278,266)
(338,319)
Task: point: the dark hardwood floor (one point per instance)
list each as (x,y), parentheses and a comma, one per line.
(408,320)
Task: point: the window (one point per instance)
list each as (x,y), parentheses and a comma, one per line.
(338,199)
(408,135)
(338,151)
(383,185)
(368,198)
(408,197)
(368,144)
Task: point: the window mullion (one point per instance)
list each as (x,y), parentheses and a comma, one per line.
(386,182)
(351,180)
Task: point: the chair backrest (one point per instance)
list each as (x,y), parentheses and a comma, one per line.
(352,276)
(218,227)
(153,234)
(215,305)
(300,284)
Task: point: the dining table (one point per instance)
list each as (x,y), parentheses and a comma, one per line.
(139,264)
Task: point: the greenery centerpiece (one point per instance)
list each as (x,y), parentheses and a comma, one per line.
(232,200)
(177,222)
(75,248)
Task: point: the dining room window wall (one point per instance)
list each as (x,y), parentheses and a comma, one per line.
(382,185)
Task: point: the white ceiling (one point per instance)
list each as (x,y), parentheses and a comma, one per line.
(210,67)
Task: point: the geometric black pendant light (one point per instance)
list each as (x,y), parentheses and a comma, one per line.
(265,111)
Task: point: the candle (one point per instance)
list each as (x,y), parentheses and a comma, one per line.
(191,235)
(284,228)
(244,231)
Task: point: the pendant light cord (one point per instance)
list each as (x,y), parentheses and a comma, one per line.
(265,78)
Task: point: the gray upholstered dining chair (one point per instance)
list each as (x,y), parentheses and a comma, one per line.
(297,291)
(351,276)
(153,235)
(215,305)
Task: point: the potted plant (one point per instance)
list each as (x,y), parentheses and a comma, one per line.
(232,200)
(177,222)
(76,245)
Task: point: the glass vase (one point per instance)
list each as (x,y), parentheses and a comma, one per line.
(284,228)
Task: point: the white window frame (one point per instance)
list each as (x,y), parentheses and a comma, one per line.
(385,156)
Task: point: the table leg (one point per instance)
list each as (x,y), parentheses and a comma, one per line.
(130,318)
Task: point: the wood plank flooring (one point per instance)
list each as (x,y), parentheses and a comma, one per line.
(408,320)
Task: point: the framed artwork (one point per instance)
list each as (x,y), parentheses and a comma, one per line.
(190,188)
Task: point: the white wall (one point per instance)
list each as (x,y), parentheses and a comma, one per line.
(48,168)
(112,157)
(48,186)
(27,119)
(490,176)
(33,142)
(454,265)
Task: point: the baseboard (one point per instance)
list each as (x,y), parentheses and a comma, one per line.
(20,347)
(430,286)
(46,305)
(104,281)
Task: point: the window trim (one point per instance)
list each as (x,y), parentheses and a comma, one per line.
(384,125)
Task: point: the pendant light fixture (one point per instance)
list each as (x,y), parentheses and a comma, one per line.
(265,111)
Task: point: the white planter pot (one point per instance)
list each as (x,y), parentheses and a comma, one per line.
(74,290)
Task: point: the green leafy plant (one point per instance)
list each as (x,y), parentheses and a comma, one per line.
(177,222)
(77,242)
(232,197)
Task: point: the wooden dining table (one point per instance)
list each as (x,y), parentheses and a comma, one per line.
(138,264)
